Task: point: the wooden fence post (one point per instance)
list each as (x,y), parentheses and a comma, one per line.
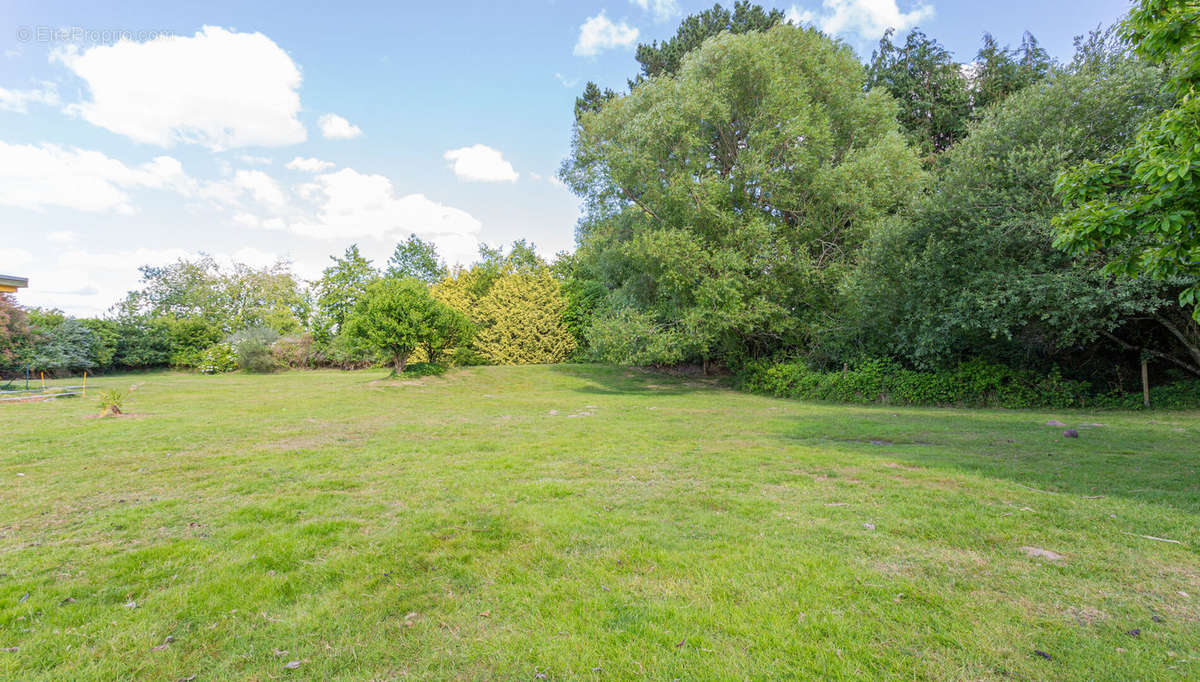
(1145,384)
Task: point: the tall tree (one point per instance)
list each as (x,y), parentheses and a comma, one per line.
(418,259)
(342,285)
(999,72)
(929,85)
(975,272)
(665,58)
(1140,208)
(225,298)
(721,202)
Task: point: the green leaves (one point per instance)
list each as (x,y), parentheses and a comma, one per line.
(395,316)
(1139,208)
(722,201)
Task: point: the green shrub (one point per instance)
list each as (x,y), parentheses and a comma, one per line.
(216,359)
(423,369)
(297,352)
(252,346)
(971,384)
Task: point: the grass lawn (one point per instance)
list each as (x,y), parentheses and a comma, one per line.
(583,522)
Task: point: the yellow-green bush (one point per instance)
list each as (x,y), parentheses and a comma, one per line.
(519,317)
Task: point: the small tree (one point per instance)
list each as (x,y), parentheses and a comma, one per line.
(396,316)
(447,328)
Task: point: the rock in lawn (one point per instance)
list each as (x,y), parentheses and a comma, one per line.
(291,665)
(1039,553)
(1071,433)
(1054,422)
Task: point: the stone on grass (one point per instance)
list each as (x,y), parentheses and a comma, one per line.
(1039,553)
(1071,433)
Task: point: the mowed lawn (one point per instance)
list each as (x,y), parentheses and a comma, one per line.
(583,522)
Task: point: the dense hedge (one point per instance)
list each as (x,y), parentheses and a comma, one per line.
(972,384)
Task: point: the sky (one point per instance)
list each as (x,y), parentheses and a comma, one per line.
(141,133)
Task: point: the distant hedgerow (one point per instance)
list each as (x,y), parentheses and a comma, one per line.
(971,384)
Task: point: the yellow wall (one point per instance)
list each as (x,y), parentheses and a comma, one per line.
(7,290)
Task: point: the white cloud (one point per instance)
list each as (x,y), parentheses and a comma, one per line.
(254,160)
(662,9)
(598,33)
(334,127)
(217,88)
(566,82)
(350,205)
(866,18)
(261,186)
(19,100)
(480,163)
(35,177)
(14,258)
(62,237)
(309,165)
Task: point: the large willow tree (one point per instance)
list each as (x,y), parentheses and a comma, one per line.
(724,201)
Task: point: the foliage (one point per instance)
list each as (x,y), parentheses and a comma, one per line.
(396,316)
(341,286)
(218,359)
(665,59)
(15,335)
(111,402)
(975,273)
(521,321)
(296,352)
(999,72)
(66,345)
(1139,208)
(417,259)
(105,338)
(971,384)
(923,77)
(144,341)
(723,203)
(252,346)
(226,299)
(424,369)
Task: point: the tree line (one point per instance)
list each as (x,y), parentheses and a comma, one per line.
(759,194)
(756,196)
(506,308)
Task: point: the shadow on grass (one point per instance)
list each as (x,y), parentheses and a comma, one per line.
(1144,462)
(609,380)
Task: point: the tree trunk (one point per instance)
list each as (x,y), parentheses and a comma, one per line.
(401,361)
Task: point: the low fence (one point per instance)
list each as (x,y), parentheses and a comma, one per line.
(43,392)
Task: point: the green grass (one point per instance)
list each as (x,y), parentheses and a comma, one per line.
(453,527)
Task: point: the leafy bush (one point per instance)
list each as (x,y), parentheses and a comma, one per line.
(252,346)
(521,320)
(297,352)
(424,369)
(217,358)
(972,384)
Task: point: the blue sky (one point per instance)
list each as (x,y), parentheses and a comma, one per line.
(292,130)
